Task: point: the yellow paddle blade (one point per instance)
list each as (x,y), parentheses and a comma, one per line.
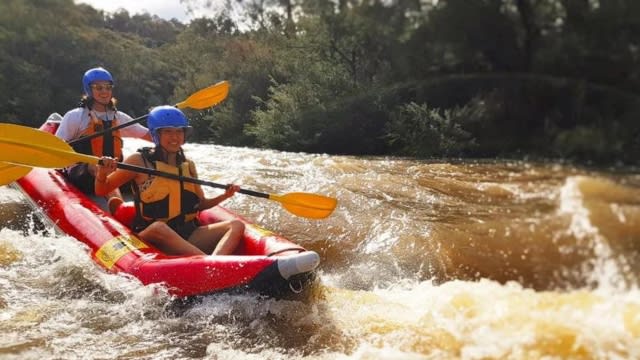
(23,145)
(307,205)
(10,173)
(207,97)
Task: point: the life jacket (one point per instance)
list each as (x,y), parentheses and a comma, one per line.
(109,144)
(173,202)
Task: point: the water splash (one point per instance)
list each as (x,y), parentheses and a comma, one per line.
(421,260)
(605,269)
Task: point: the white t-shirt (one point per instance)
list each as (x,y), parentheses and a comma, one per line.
(76,121)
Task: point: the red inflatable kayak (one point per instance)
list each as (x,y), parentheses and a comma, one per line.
(264,262)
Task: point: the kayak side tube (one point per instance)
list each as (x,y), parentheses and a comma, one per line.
(275,275)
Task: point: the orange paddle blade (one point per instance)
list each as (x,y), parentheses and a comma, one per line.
(307,205)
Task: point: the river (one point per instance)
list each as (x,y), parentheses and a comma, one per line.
(421,260)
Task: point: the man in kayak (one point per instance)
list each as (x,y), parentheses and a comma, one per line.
(96,112)
(166,209)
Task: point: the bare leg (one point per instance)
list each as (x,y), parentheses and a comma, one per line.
(115,193)
(168,241)
(221,238)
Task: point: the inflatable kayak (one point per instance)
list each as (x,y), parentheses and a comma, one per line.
(264,262)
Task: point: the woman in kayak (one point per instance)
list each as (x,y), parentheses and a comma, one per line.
(96,112)
(166,209)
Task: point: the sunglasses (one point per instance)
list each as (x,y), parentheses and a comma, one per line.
(101,87)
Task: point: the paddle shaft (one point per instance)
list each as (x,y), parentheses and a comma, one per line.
(186,179)
(100,133)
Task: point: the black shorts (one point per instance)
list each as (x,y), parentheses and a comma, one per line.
(185,230)
(81,178)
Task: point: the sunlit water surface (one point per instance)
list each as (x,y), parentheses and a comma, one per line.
(421,260)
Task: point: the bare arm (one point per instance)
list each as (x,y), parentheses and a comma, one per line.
(133,130)
(206,203)
(108,177)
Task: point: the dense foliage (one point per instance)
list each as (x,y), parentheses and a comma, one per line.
(479,78)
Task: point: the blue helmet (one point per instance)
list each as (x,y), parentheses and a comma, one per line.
(93,75)
(166,116)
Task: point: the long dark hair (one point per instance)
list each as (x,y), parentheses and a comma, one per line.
(158,154)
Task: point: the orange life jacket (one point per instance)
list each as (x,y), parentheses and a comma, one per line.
(109,144)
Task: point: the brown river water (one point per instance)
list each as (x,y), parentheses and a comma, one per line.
(421,260)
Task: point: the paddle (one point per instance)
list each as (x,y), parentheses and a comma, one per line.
(26,146)
(201,99)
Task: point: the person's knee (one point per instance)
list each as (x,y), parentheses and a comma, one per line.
(237,226)
(80,176)
(92,169)
(156,228)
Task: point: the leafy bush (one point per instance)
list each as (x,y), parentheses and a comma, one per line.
(417,130)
